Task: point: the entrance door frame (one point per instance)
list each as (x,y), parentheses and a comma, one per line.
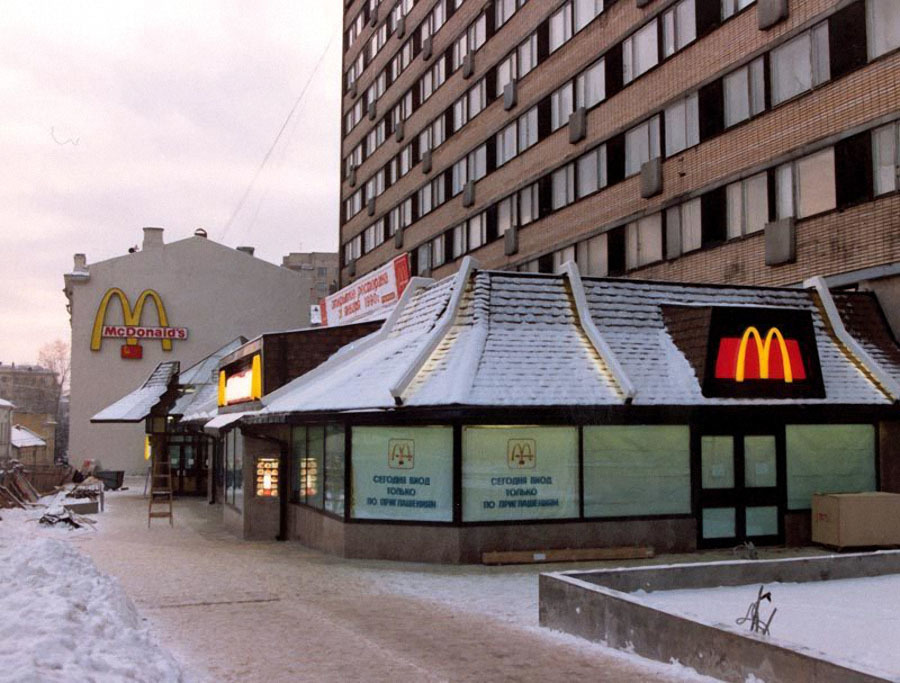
(738,497)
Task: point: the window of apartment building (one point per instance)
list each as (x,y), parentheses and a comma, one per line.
(353,204)
(470,41)
(679,27)
(403,109)
(560,27)
(528,129)
(526,55)
(732,7)
(458,240)
(800,64)
(375,185)
(562,182)
(507,214)
(477,98)
(424,199)
(432,136)
(506,72)
(682,125)
(504,9)
(591,257)
(438,251)
(375,137)
(641,145)
(643,241)
(561,257)
(432,79)
(355,158)
(886,158)
(477,232)
(585,11)
(401,9)
(529,204)
(372,236)
(405,160)
(459,175)
(744,92)
(640,52)
(438,192)
(507,143)
(590,85)
(883,18)
(423,258)
(435,19)
(683,228)
(561,106)
(591,171)
(471,167)
(747,206)
(806,186)
(517,63)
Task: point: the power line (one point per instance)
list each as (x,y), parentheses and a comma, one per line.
(275,142)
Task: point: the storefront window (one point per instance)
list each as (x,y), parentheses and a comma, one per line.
(403,473)
(519,473)
(637,470)
(312,467)
(828,459)
(229,467)
(334,468)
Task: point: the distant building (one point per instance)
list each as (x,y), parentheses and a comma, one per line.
(6,409)
(320,269)
(179,301)
(33,391)
(29,448)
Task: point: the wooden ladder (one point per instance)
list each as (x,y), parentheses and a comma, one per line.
(160,487)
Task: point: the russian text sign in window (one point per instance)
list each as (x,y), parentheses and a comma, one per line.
(519,473)
(403,473)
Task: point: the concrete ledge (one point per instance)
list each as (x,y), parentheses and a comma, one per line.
(596,605)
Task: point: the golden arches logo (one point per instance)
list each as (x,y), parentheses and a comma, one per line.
(521,453)
(131,331)
(401,454)
(763,349)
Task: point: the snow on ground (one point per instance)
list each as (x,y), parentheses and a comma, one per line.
(63,620)
(506,594)
(855,621)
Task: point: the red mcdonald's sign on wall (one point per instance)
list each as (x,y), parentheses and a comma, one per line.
(752,357)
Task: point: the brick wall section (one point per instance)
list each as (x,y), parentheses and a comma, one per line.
(287,355)
(859,99)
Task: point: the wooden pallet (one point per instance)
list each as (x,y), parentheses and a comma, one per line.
(566,555)
(160,488)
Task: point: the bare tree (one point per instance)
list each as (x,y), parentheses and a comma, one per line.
(56,357)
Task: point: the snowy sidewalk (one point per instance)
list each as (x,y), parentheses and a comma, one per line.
(233,610)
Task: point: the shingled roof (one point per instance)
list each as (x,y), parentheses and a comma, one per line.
(137,405)
(482,338)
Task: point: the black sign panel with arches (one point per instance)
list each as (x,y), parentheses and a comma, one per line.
(762,353)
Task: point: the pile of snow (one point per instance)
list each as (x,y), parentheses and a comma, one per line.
(64,620)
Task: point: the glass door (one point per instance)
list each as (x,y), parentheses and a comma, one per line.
(739,490)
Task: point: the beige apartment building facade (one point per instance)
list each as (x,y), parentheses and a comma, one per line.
(730,141)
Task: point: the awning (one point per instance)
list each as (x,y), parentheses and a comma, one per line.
(219,422)
(137,405)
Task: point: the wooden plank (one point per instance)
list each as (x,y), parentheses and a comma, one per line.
(567,555)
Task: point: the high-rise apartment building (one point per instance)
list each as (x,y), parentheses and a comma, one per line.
(734,141)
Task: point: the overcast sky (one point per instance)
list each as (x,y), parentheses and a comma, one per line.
(118,115)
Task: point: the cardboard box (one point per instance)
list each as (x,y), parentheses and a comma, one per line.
(848,520)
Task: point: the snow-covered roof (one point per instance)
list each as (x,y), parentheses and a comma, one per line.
(5,404)
(137,405)
(22,437)
(483,338)
(199,382)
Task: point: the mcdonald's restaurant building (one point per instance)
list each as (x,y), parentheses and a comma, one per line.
(518,411)
(161,303)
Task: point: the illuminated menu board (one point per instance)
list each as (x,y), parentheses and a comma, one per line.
(267,477)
